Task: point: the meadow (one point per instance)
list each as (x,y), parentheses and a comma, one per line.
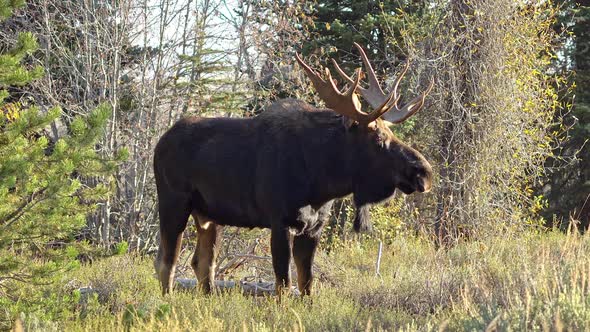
(530,281)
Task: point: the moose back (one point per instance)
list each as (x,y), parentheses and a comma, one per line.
(281,170)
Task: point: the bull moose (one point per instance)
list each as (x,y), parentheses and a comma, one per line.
(281,170)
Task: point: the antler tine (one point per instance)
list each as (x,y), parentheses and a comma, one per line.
(356,84)
(398,80)
(392,98)
(373,82)
(381,102)
(374,94)
(343,74)
(346,103)
(411,107)
(317,81)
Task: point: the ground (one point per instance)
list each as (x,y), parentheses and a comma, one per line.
(535,280)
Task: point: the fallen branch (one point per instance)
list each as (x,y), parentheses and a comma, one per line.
(249,288)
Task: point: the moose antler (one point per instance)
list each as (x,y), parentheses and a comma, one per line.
(381,102)
(346,103)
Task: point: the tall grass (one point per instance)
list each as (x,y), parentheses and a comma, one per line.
(528,281)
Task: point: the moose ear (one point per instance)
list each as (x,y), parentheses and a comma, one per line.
(378,137)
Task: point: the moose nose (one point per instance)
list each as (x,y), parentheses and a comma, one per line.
(420,187)
(426,187)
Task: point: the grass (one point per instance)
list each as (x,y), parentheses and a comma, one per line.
(523,282)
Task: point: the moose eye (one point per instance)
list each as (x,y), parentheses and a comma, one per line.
(418,171)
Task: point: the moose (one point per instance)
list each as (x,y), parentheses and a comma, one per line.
(282,170)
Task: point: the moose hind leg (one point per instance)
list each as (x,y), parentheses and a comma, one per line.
(206,252)
(304,248)
(280,246)
(174,215)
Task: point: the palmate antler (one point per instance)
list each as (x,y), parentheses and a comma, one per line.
(346,103)
(374,95)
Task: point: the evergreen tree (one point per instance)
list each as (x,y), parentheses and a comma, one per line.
(42,198)
(378,25)
(582,112)
(391,32)
(568,188)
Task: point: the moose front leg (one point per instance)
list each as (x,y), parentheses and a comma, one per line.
(280,246)
(304,248)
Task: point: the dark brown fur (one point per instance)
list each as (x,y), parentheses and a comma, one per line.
(280,170)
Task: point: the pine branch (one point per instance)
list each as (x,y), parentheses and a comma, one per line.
(24,207)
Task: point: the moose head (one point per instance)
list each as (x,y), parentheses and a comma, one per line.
(384,155)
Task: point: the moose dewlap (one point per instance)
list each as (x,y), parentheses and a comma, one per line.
(282,170)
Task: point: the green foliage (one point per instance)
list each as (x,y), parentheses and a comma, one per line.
(121,248)
(338,24)
(204,75)
(7,6)
(43,196)
(387,223)
(201,76)
(488,133)
(11,70)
